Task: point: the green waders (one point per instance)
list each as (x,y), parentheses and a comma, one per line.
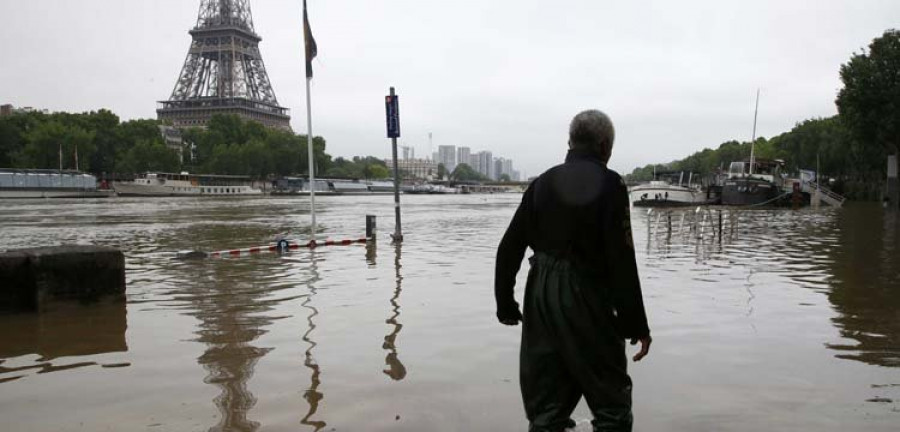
(570,349)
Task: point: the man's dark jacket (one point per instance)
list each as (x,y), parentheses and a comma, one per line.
(579,212)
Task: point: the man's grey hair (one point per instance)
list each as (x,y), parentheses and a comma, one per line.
(592,130)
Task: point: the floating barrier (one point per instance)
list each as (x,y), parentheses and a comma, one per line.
(283,246)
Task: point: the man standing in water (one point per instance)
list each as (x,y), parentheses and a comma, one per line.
(583,295)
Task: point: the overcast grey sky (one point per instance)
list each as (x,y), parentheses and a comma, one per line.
(502,75)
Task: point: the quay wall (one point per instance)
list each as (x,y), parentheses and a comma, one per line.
(34,279)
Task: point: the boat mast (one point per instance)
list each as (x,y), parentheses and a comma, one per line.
(753,140)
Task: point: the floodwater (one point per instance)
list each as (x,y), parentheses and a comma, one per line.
(789,322)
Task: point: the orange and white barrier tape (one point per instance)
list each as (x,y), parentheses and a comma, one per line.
(284,245)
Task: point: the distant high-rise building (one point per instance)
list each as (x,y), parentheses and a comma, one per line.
(508,168)
(485,162)
(447,156)
(463,155)
(503,166)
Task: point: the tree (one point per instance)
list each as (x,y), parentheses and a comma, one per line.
(441,171)
(505,178)
(463,172)
(822,141)
(149,156)
(52,144)
(378,172)
(105,126)
(868,103)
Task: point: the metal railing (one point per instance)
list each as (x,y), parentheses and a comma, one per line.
(829,196)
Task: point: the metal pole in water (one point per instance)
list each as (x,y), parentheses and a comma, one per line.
(753,140)
(312,174)
(393,108)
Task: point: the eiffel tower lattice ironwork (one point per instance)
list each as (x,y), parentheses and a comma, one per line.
(223,72)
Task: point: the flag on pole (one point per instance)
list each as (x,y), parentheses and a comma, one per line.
(310,42)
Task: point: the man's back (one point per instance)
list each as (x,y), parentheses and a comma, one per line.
(577,211)
(583,295)
(571,205)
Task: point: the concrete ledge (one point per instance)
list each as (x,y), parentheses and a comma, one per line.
(33,279)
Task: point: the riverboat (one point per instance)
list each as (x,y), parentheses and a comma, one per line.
(42,183)
(184,184)
(753,183)
(325,187)
(430,189)
(668,190)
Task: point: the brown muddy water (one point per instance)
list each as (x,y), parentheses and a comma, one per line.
(790,323)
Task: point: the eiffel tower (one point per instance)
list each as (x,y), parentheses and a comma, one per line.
(223,72)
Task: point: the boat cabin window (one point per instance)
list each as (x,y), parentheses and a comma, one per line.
(766,169)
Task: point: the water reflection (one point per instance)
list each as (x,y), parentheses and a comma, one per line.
(395,368)
(848,254)
(371,253)
(866,285)
(231,313)
(312,395)
(66,330)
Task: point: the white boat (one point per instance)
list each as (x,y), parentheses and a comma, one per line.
(430,189)
(41,183)
(300,186)
(669,189)
(184,184)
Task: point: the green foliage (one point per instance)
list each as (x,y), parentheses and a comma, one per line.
(463,172)
(818,141)
(368,167)
(505,178)
(868,103)
(34,140)
(149,156)
(51,141)
(229,145)
(441,171)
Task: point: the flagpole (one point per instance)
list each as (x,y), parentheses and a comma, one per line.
(308,43)
(312,174)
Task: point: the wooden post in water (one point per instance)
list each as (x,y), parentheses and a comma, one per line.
(371,227)
(720,225)
(893,185)
(669,223)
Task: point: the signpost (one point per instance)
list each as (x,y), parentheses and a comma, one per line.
(392,111)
